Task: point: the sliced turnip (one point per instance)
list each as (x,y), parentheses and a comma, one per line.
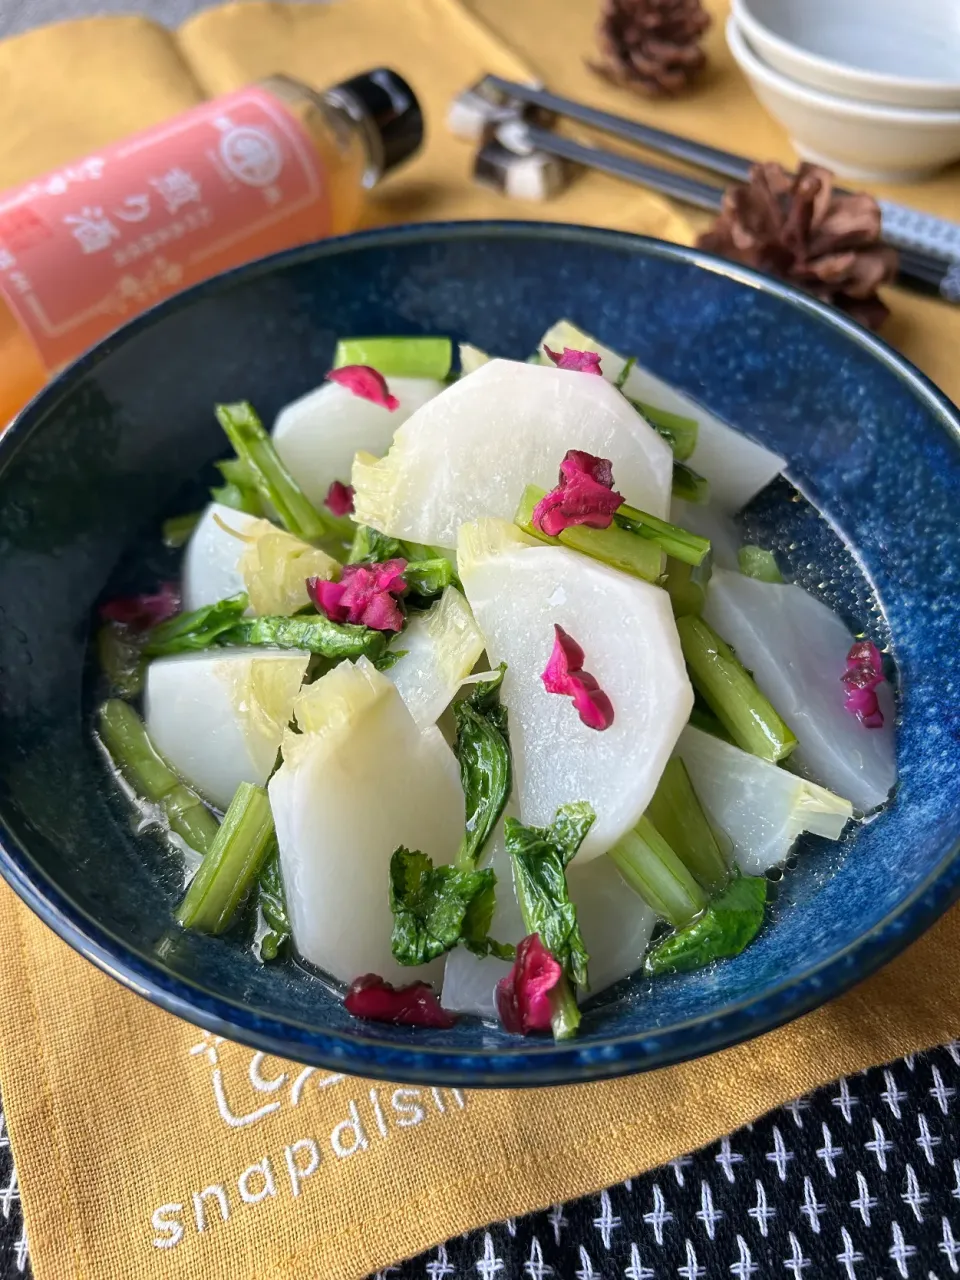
(473,450)
(317,435)
(761,807)
(440,648)
(471,358)
(796,648)
(518,591)
(218,717)
(737,467)
(275,567)
(359,780)
(211,562)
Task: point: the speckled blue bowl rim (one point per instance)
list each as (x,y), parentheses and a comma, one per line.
(531,1063)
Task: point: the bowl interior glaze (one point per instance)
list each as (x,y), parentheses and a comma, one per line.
(116,442)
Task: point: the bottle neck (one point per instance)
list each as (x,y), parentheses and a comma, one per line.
(344,116)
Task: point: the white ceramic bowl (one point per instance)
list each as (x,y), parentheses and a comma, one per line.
(902,53)
(855,139)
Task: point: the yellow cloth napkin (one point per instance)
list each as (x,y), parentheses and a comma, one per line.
(147,1149)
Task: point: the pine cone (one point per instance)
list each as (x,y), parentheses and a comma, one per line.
(651,46)
(795,226)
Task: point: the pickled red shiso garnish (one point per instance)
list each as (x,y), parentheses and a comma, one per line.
(415,1005)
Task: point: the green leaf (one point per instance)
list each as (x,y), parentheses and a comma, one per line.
(199,629)
(389,659)
(482,747)
(273,909)
(689,484)
(370,546)
(312,632)
(540,856)
(728,924)
(624,373)
(434,908)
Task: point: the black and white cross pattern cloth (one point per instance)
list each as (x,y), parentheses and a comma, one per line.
(858,1181)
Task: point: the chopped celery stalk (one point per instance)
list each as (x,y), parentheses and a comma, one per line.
(231,864)
(687,594)
(732,693)
(398,357)
(676,542)
(680,433)
(619,548)
(311,632)
(756,562)
(652,869)
(688,485)
(678,815)
(125,737)
(274,482)
(177,530)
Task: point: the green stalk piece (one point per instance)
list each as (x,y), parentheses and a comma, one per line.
(689,484)
(232,863)
(125,737)
(678,543)
(273,481)
(652,869)
(621,549)
(678,815)
(177,530)
(680,433)
(198,629)
(686,588)
(731,692)
(312,632)
(398,357)
(756,562)
(121,660)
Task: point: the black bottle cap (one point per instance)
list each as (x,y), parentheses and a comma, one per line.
(393,107)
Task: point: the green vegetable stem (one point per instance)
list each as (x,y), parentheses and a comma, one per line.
(686,587)
(679,543)
(177,530)
(732,694)
(398,357)
(540,857)
(274,930)
(482,747)
(755,562)
(273,481)
(680,433)
(652,869)
(689,484)
(620,548)
(232,864)
(677,814)
(125,737)
(120,659)
(728,924)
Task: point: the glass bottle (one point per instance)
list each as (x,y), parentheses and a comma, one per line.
(87,247)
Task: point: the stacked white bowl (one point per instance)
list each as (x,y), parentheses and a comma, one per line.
(870,88)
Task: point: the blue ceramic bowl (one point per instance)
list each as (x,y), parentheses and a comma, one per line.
(126,436)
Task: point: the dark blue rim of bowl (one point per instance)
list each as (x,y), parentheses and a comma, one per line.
(542,1063)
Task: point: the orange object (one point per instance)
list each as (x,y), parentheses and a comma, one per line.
(89,246)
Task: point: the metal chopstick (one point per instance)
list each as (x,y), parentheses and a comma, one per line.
(915,269)
(903,227)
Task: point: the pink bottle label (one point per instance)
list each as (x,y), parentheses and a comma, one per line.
(87,247)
